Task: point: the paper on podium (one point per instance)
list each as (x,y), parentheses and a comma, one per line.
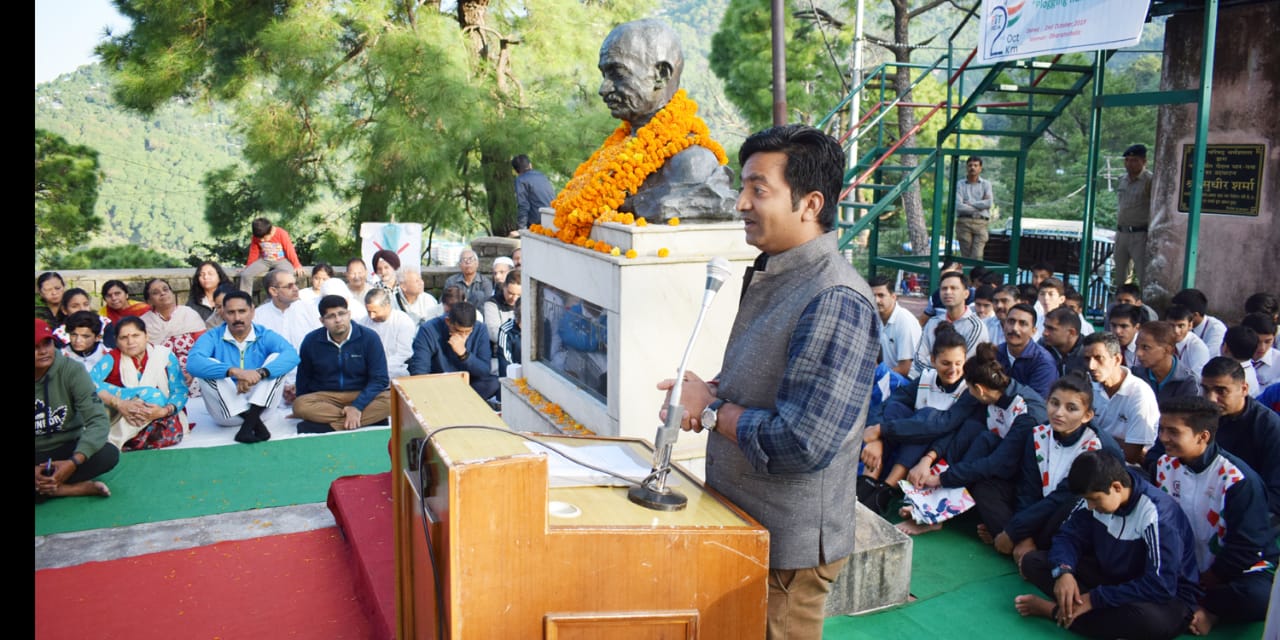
(618,458)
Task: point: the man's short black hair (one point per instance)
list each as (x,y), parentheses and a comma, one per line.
(1241,342)
(985,292)
(1223,367)
(1131,289)
(1104,338)
(521,163)
(1127,311)
(1177,313)
(329,302)
(1028,293)
(238,295)
(1052,283)
(1262,302)
(815,162)
(880,281)
(260,227)
(84,319)
(1094,471)
(1198,412)
(1025,308)
(1042,266)
(1193,299)
(1139,150)
(1066,318)
(964,280)
(462,315)
(1261,323)
(513,277)
(974,159)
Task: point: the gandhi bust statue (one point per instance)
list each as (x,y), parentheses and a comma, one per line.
(640,65)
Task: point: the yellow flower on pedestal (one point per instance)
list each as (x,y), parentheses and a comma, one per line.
(663,252)
(675,222)
(631,253)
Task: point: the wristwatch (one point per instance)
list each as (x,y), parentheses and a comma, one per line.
(264,372)
(708,418)
(1061,570)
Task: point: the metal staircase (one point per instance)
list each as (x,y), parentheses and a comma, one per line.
(1017,100)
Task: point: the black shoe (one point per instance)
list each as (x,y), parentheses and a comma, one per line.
(865,487)
(307,426)
(246,433)
(261,431)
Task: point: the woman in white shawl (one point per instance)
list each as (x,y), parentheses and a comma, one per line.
(142,386)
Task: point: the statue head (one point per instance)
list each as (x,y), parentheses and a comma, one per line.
(640,65)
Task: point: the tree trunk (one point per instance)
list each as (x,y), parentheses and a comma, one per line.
(912,206)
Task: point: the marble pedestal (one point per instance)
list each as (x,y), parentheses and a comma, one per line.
(651,304)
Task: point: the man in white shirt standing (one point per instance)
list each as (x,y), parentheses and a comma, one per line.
(1123,405)
(394,327)
(973,210)
(899,331)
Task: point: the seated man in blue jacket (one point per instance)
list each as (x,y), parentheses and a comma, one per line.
(342,379)
(1226,503)
(1123,565)
(455,342)
(241,368)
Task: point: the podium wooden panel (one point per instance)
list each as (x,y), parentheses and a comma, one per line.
(506,568)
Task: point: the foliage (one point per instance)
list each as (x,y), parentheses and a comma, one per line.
(739,58)
(66,177)
(125,256)
(401,111)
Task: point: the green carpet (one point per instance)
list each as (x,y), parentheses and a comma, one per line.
(151,486)
(964,589)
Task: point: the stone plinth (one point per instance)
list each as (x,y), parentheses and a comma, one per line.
(651,305)
(1237,253)
(878,575)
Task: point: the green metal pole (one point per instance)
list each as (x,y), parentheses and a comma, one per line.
(1091,170)
(1202,134)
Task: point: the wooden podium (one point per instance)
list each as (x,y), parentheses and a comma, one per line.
(506,567)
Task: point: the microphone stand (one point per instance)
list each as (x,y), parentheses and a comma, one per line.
(653,492)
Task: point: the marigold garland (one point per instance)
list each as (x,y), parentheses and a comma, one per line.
(551,409)
(618,168)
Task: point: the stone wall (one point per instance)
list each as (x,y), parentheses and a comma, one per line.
(180,279)
(1237,254)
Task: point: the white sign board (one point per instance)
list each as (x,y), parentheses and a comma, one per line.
(1015,29)
(403,238)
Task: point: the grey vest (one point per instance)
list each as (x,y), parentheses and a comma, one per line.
(809,515)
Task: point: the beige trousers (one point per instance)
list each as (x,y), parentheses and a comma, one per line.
(797,600)
(325,407)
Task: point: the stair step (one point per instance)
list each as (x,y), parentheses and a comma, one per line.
(998,132)
(1014,88)
(877,187)
(1002,111)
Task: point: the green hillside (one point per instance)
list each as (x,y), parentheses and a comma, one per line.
(150,194)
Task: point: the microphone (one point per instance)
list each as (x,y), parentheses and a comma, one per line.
(653,492)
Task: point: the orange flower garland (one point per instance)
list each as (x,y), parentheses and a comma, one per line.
(551,409)
(618,168)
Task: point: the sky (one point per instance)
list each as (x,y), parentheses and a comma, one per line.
(68,30)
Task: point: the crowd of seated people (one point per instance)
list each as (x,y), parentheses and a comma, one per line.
(1132,472)
(146,359)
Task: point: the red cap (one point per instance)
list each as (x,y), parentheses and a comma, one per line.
(43,332)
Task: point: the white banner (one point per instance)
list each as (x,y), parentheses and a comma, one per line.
(405,239)
(1015,29)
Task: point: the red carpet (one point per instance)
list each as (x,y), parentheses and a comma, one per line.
(298,585)
(362,507)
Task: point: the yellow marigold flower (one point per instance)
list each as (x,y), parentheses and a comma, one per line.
(642,222)
(631,253)
(615,252)
(675,222)
(663,252)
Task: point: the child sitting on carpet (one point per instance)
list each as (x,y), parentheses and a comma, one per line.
(1124,567)
(998,413)
(1042,499)
(900,432)
(1226,503)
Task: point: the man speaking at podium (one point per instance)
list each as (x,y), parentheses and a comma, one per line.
(788,407)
